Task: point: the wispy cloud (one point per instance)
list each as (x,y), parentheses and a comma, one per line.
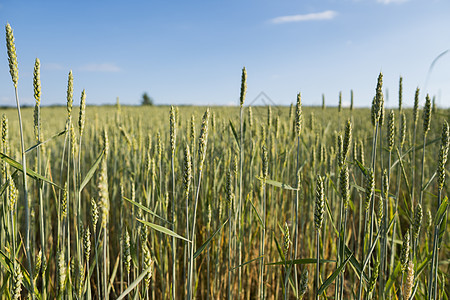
(325,15)
(392,1)
(104,67)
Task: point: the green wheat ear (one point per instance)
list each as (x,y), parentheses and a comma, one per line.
(443,155)
(82,117)
(400,94)
(427,115)
(416,106)
(287,241)
(298,115)
(404,254)
(319,207)
(303,286)
(37,97)
(69,94)
(12,57)
(418,213)
(391,130)
(243,87)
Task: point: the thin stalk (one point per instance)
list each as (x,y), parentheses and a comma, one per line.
(25,192)
(263,233)
(174,250)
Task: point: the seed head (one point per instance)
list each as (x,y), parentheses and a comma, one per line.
(374,277)
(87,244)
(61,271)
(340,148)
(250,117)
(361,152)
(370,187)
(404,254)
(229,189)
(287,241)
(203,139)
(400,94)
(127,250)
(94,211)
(347,140)
(298,115)
(243,87)
(187,171)
(69,94)
(17,281)
(303,283)
(148,263)
(416,106)
(340,102)
(417,221)
(319,207)
(12,57)
(391,131)
(426,115)
(351,100)
(64,202)
(323,101)
(13,192)
(37,97)
(344,185)
(172,130)
(403,129)
(265,162)
(409,282)
(82,117)
(443,155)
(378,104)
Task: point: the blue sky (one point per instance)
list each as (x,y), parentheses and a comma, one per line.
(192,52)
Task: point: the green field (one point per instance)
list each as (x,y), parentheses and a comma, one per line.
(224,202)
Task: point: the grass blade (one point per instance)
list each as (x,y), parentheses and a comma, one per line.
(300,261)
(145,209)
(134,284)
(205,244)
(46,141)
(30,172)
(163,230)
(91,171)
(333,276)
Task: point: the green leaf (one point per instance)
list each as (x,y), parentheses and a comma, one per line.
(441,212)
(6,262)
(333,276)
(393,278)
(30,172)
(205,244)
(257,213)
(442,229)
(277,184)
(235,134)
(91,171)
(361,167)
(134,283)
(145,209)
(46,141)
(247,262)
(300,261)
(163,230)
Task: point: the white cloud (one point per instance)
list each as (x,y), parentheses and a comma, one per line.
(325,15)
(391,1)
(104,67)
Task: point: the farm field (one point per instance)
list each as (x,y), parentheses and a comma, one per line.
(161,202)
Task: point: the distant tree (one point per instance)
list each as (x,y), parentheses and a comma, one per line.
(146,100)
